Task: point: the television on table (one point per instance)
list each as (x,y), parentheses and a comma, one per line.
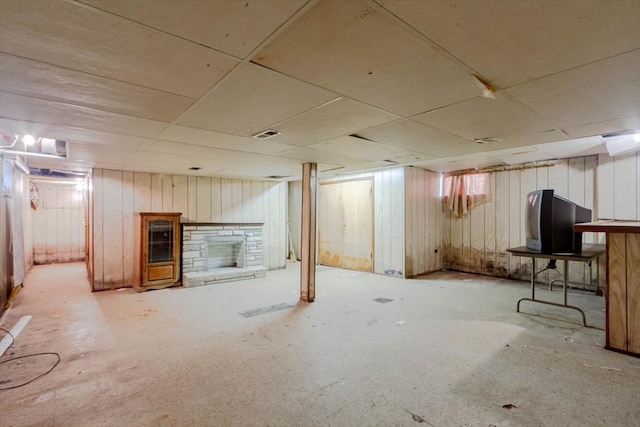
(549,221)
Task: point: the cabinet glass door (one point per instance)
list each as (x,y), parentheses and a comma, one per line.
(160,241)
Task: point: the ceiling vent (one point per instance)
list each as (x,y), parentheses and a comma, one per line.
(266,134)
(487,140)
(277,176)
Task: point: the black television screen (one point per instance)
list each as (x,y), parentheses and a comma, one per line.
(549,221)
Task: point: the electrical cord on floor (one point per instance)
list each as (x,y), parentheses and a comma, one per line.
(13,340)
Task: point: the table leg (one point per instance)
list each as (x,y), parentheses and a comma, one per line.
(533,292)
(566,273)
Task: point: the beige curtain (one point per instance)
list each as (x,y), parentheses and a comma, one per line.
(463,192)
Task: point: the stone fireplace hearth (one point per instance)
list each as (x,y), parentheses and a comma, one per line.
(221,252)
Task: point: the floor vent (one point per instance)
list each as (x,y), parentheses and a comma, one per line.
(383,300)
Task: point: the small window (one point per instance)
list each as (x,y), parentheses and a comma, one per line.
(463,192)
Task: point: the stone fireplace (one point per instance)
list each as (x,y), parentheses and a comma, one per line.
(224,251)
(221,252)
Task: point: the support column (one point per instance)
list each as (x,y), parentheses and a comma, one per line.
(308,234)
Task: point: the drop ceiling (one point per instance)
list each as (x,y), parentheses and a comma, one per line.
(165,86)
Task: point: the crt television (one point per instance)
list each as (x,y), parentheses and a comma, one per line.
(549,223)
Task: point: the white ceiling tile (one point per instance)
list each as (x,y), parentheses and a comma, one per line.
(342,117)
(452,164)
(574,147)
(141,165)
(100,153)
(524,157)
(179,163)
(601,128)
(360,167)
(35,79)
(23,108)
(531,139)
(220,140)
(598,92)
(69,133)
(240,26)
(198,151)
(251,99)
(511,42)
(306,154)
(272,167)
(414,137)
(358,147)
(351,48)
(89,40)
(482,117)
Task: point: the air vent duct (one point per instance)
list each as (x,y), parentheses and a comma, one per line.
(265,134)
(487,140)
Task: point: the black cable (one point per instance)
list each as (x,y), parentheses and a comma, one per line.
(13,340)
(33,379)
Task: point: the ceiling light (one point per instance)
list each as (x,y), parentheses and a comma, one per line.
(28,139)
(269,133)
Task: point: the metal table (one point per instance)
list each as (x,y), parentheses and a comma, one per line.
(588,254)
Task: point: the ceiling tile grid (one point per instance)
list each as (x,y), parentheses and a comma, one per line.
(596,92)
(165,85)
(343,116)
(352,48)
(88,40)
(251,99)
(36,79)
(513,42)
(49,112)
(233,27)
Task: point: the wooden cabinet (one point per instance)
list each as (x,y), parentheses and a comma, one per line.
(157,250)
(623,283)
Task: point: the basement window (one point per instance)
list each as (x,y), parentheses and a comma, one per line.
(464,192)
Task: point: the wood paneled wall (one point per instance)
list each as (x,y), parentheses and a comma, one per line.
(116,195)
(477,243)
(58,229)
(423,221)
(407,219)
(619,187)
(388,218)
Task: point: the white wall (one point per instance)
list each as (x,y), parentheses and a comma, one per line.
(58,229)
(619,187)
(388,218)
(23,225)
(116,195)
